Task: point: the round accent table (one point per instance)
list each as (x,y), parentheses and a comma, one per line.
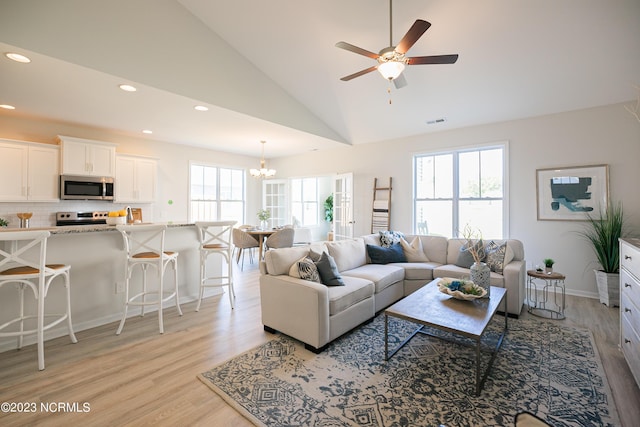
(539,284)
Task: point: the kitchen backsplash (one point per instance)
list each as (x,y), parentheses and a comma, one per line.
(44,214)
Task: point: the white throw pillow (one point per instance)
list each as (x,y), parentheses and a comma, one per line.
(413,251)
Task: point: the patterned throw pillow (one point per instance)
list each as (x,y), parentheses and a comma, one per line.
(305,269)
(496,256)
(413,251)
(388,238)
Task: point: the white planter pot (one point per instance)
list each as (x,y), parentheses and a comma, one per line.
(608,288)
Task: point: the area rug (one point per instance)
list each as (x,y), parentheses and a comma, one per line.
(543,367)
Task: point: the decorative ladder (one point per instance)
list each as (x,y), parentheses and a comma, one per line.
(381,211)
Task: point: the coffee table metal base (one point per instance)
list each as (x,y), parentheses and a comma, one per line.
(410,311)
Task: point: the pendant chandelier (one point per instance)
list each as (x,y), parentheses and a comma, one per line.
(263,172)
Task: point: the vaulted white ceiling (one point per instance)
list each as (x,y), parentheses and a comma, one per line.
(270,70)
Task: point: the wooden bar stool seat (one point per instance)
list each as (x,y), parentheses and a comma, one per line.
(24,265)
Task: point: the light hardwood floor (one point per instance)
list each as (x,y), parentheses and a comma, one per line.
(143,378)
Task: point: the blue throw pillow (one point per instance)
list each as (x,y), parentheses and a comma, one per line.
(328,271)
(381,255)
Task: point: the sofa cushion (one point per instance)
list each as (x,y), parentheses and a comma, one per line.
(279,261)
(413,251)
(305,269)
(381,275)
(348,253)
(354,291)
(418,270)
(328,271)
(382,255)
(388,238)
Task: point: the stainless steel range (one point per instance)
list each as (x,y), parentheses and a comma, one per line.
(81,218)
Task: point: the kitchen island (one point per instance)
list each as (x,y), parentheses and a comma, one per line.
(97,259)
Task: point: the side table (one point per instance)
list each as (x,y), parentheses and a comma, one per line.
(539,303)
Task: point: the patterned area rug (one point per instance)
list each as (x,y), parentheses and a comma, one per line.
(543,367)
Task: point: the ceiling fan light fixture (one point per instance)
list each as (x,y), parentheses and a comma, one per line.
(263,172)
(390,70)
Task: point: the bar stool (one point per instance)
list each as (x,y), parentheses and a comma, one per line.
(17,267)
(215,238)
(144,246)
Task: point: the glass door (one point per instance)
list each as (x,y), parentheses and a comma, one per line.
(343,206)
(275,200)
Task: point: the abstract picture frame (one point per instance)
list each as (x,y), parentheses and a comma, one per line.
(571,193)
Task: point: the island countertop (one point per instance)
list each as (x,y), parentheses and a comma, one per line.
(74,229)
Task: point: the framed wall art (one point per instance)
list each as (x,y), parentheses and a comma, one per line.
(571,193)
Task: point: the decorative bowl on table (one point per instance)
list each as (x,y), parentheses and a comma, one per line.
(461,289)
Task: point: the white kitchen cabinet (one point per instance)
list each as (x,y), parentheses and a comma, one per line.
(135,179)
(87,157)
(28,171)
(630,304)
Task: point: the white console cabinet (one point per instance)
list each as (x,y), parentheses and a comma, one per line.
(87,157)
(28,172)
(135,179)
(630,304)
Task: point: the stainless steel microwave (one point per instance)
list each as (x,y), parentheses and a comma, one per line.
(74,187)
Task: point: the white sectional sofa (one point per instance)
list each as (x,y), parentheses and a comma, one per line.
(317,314)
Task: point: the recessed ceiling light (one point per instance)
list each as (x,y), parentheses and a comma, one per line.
(147,131)
(7,107)
(128,88)
(17,57)
(201,108)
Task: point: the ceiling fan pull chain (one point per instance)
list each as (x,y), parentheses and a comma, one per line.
(389,92)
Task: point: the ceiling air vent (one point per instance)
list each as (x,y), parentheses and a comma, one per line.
(436,121)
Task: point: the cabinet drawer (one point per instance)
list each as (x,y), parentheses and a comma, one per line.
(630,287)
(630,344)
(629,311)
(630,258)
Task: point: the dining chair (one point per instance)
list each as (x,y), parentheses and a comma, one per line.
(23,263)
(280,239)
(215,238)
(244,241)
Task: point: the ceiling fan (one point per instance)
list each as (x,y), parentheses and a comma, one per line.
(392,59)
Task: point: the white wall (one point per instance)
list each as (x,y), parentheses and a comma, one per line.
(604,135)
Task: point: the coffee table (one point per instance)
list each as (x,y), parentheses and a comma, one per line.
(432,308)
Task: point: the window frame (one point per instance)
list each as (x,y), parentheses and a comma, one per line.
(219,202)
(456,199)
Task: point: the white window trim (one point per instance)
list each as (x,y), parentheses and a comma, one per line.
(218,167)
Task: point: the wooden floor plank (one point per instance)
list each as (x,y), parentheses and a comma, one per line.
(144,378)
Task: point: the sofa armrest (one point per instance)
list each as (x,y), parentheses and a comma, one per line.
(514,282)
(296,307)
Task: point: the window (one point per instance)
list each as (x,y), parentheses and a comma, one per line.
(216,193)
(462,187)
(304,200)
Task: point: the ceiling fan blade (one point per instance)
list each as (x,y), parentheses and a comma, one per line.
(435,59)
(400,82)
(359,73)
(415,32)
(356,49)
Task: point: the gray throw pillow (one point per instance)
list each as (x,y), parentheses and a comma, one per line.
(465,258)
(328,271)
(382,255)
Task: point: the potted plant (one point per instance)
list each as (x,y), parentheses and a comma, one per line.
(3,222)
(603,231)
(328,209)
(548,265)
(263,216)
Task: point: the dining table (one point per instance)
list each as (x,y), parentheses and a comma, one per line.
(260,235)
